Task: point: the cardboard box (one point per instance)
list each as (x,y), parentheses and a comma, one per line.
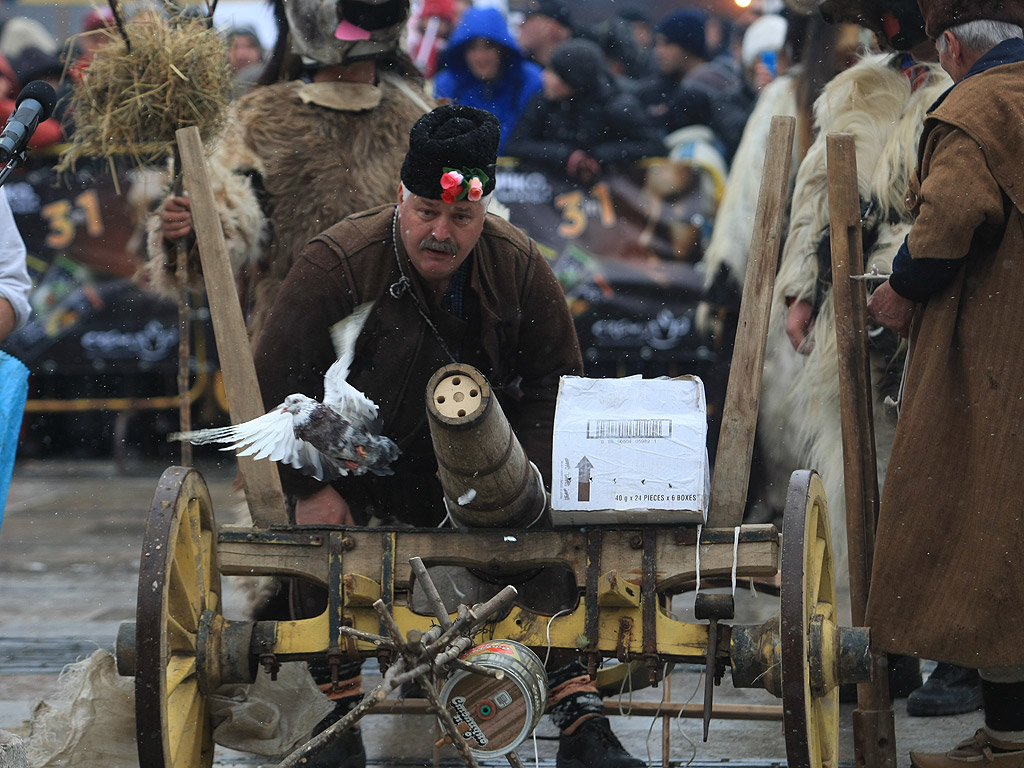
(629,451)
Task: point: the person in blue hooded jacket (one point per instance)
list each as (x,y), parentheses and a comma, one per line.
(484,68)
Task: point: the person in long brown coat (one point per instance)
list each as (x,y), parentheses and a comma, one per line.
(948,575)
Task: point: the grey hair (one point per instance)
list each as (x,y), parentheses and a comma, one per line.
(980,36)
(485,200)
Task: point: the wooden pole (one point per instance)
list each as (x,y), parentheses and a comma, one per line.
(181,249)
(874,732)
(743,396)
(768,713)
(184,351)
(262,484)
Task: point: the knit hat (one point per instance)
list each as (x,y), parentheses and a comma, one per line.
(98,18)
(767,33)
(553,9)
(940,15)
(580,63)
(685,28)
(634,16)
(452,154)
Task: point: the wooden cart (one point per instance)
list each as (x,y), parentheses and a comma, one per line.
(181,648)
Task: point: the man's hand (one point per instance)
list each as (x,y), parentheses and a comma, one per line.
(176,218)
(799,322)
(7,318)
(890,310)
(325,507)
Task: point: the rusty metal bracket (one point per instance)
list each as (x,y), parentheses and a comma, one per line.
(649,605)
(625,639)
(590,625)
(335,597)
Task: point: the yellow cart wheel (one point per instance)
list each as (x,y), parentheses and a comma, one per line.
(810,706)
(178,582)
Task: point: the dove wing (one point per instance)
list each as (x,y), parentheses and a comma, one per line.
(270,436)
(343,335)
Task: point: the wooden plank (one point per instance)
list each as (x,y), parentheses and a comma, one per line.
(743,396)
(874,730)
(260,478)
(490,551)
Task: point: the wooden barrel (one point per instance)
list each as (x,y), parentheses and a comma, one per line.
(488,481)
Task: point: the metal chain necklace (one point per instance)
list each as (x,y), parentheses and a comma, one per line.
(404,285)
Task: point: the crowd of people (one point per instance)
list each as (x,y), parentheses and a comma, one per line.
(424,104)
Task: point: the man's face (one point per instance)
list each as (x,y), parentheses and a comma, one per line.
(643,34)
(483,57)
(671,57)
(243,52)
(538,34)
(437,236)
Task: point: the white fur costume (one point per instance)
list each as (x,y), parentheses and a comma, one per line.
(320,151)
(874,101)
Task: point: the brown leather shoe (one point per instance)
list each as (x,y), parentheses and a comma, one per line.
(979,751)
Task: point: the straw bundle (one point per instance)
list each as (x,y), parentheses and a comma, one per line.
(170,74)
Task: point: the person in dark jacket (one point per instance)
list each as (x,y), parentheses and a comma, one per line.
(688,75)
(450,283)
(484,68)
(582,123)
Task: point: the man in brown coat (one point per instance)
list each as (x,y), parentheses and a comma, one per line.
(948,578)
(449,283)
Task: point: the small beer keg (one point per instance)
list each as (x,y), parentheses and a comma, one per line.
(496,716)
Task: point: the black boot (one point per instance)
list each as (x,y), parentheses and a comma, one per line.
(347,750)
(593,745)
(950,690)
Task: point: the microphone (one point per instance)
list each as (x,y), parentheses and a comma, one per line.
(35,103)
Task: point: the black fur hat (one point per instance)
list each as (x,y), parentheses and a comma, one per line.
(448,148)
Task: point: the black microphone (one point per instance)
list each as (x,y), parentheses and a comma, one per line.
(35,104)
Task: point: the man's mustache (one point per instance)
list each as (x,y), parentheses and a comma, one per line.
(444,246)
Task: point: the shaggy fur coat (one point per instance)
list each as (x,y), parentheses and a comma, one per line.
(294,159)
(876,102)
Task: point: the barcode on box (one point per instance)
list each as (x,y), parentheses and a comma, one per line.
(604,429)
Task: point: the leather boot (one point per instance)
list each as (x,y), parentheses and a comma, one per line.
(347,750)
(593,745)
(950,690)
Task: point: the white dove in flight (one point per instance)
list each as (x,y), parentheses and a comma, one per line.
(337,437)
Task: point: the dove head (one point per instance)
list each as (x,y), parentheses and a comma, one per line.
(298,405)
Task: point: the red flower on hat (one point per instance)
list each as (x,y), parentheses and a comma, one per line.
(451,179)
(455,187)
